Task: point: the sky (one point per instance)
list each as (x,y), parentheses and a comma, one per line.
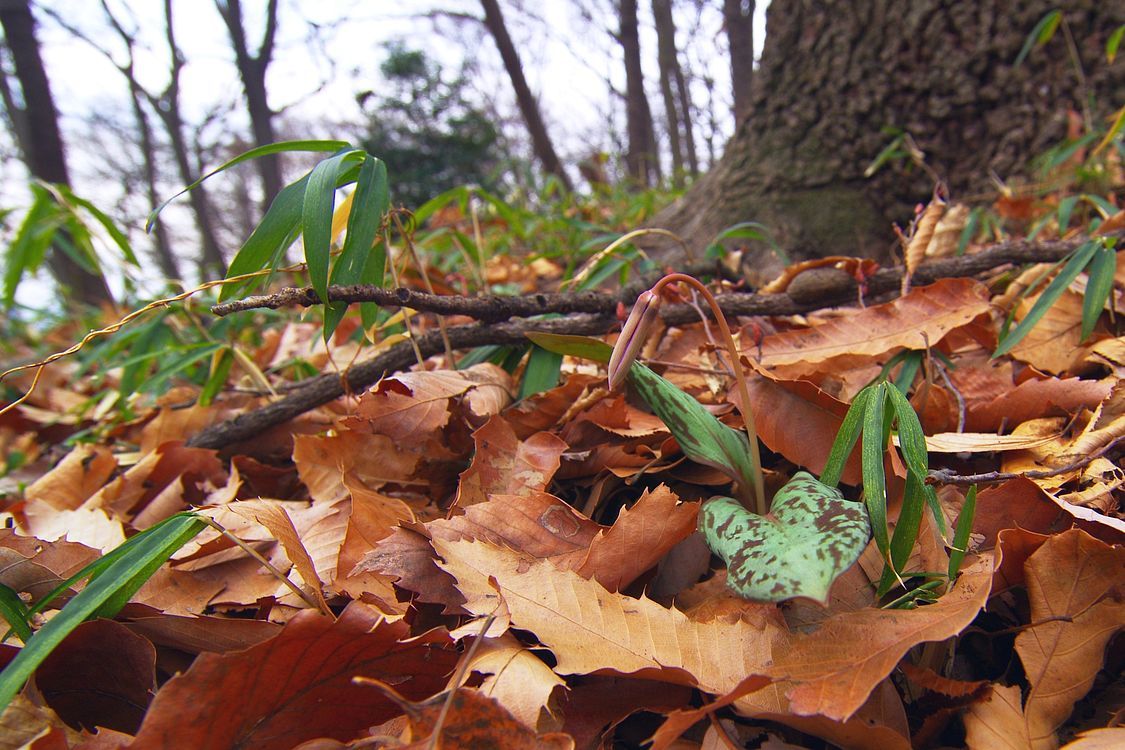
(328,50)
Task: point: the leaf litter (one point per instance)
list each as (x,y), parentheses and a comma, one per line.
(529,573)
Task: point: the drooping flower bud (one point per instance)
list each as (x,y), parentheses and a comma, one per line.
(632,338)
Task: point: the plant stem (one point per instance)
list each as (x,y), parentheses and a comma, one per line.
(761,505)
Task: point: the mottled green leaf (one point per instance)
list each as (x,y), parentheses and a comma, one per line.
(811,536)
(702,437)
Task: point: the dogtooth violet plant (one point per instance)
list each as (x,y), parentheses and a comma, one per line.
(800,543)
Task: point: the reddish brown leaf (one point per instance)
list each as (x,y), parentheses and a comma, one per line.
(78,476)
(505,465)
(298,685)
(102,674)
(638,539)
(918,320)
(472,721)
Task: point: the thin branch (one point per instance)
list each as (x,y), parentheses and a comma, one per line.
(330,386)
(945,476)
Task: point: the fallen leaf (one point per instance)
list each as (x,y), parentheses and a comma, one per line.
(918,320)
(1106,738)
(80,474)
(518,680)
(835,668)
(272,695)
(997,722)
(1071,581)
(472,720)
(590,629)
(102,674)
(505,465)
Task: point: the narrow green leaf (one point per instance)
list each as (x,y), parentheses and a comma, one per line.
(269,148)
(220,368)
(701,436)
(846,438)
(906,532)
(316,216)
(1113,43)
(574,346)
(268,242)
(14,611)
(874,482)
(911,363)
(370,203)
(107,223)
(103,596)
(961,534)
(1039,35)
(911,437)
(29,248)
(1102,270)
(541,373)
(1050,295)
(1066,208)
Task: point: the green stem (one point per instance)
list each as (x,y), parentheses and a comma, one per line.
(761,506)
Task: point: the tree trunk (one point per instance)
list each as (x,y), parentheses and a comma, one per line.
(161,242)
(252,70)
(835,73)
(529,107)
(738,18)
(641,158)
(669,66)
(43,146)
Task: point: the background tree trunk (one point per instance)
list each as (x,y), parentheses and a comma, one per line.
(834,73)
(252,70)
(669,67)
(529,107)
(738,18)
(42,142)
(642,158)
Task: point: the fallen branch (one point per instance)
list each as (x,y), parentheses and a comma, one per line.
(321,389)
(592,313)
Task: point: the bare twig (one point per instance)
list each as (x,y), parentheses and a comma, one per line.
(945,476)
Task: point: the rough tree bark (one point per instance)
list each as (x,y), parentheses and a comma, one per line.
(42,143)
(738,19)
(529,107)
(642,158)
(834,73)
(252,70)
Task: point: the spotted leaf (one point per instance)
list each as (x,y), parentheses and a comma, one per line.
(811,536)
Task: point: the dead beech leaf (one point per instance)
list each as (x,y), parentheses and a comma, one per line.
(518,680)
(1031,399)
(1072,575)
(920,319)
(679,721)
(102,674)
(997,722)
(270,514)
(413,407)
(195,635)
(473,721)
(24,722)
(505,465)
(1106,738)
(836,667)
(590,629)
(1054,344)
(639,538)
(274,694)
(374,460)
(171,465)
(80,474)
(798,420)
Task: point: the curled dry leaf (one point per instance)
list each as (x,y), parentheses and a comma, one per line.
(518,680)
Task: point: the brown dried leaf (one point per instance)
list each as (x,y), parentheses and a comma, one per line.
(274,694)
(505,465)
(80,474)
(920,319)
(1071,576)
(836,667)
(518,680)
(997,723)
(1054,344)
(638,539)
(590,629)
